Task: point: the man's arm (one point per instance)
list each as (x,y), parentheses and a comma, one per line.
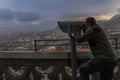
(86,36)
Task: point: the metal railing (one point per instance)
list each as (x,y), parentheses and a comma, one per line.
(65,42)
(115,42)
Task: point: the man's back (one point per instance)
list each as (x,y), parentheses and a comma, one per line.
(99,43)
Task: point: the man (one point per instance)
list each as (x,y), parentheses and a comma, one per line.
(104,57)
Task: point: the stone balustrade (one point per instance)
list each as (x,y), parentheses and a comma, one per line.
(39,65)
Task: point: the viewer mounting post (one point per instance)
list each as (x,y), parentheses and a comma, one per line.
(70,28)
(73,53)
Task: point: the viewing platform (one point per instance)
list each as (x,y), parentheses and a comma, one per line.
(46,64)
(40,65)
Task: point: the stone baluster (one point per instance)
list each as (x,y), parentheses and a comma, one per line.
(16,73)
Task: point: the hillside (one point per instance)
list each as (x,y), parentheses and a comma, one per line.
(112,24)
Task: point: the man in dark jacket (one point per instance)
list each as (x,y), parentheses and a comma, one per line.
(104,56)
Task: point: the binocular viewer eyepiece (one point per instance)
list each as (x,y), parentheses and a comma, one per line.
(70,26)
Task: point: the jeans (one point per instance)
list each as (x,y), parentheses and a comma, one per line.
(96,65)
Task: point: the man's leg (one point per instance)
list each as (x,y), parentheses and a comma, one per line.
(107,72)
(89,67)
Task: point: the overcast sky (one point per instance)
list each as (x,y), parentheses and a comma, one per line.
(41,11)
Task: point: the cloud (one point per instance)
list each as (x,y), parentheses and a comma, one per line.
(9,15)
(26,16)
(65,8)
(6,14)
(89,8)
(59,9)
(47,12)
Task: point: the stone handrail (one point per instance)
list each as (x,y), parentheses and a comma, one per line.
(43,65)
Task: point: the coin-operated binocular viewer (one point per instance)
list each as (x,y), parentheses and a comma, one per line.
(70,27)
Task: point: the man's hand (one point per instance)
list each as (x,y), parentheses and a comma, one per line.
(72,35)
(80,25)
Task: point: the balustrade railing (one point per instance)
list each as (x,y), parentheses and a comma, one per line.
(46,65)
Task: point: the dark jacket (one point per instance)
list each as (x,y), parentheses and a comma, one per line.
(99,43)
